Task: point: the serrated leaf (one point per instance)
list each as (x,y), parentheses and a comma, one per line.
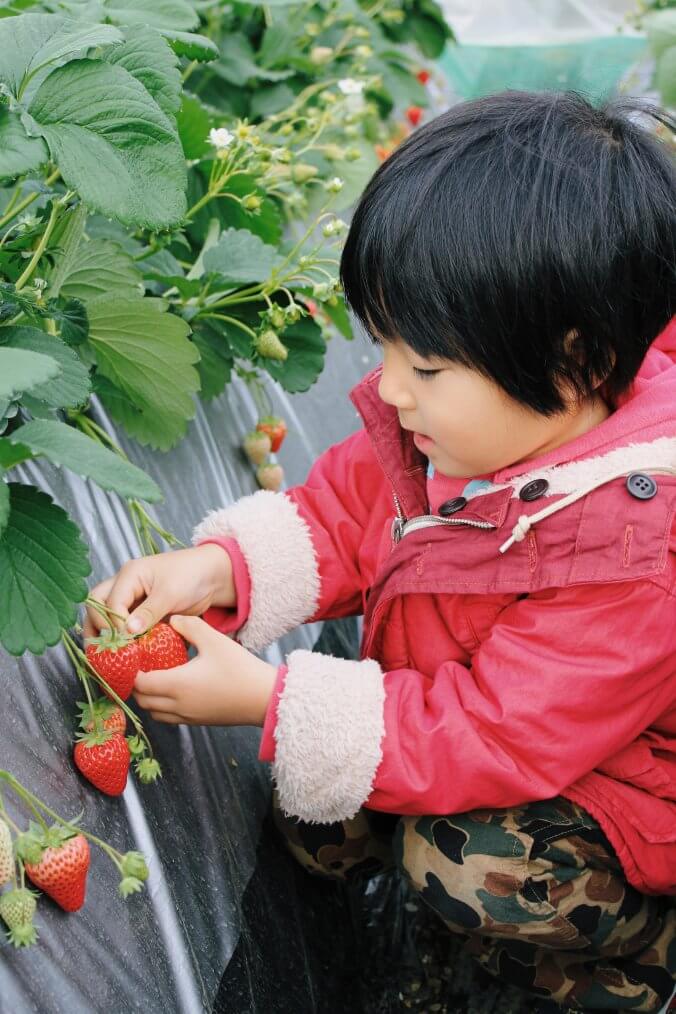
(305,361)
(13,302)
(146,353)
(43,566)
(174,14)
(31,42)
(71,388)
(117,148)
(193,47)
(68,447)
(240,256)
(93,268)
(4,506)
(150,59)
(23,371)
(159,428)
(237,62)
(19,153)
(271,99)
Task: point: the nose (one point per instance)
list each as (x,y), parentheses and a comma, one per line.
(394,392)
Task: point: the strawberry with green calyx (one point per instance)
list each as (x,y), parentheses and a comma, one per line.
(6,854)
(270,476)
(268,344)
(110,716)
(117,656)
(62,871)
(257,445)
(275,427)
(103,758)
(17,909)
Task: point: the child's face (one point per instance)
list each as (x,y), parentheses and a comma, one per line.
(475,427)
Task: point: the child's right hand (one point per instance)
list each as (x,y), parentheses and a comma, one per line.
(145,590)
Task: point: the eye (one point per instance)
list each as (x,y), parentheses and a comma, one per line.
(425,374)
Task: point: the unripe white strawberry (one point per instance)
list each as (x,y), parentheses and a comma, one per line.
(268,344)
(270,476)
(257,446)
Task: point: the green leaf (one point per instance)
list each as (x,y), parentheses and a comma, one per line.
(43,565)
(116,147)
(339,315)
(237,62)
(4,506)
(86,269)
(193,122)
(71,315)
(13,454)
(19,153)
(403,87)
(240,256)
(193,47)
(660,27)
(13,302)
(271,99)
(305,362)
(68,390)
(147,354)
(429,35)
(150,59)
(216,364)
(169,14)
(66,446)
(159,428)
(23,371)
(31,42)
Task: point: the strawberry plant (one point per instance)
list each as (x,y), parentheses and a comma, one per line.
(171,179)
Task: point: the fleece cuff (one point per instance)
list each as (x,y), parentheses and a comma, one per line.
(276,544)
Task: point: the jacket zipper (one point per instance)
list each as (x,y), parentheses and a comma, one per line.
(402,526)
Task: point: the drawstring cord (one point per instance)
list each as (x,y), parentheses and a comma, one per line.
(526,522)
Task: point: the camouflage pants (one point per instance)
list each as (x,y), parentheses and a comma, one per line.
(536,891)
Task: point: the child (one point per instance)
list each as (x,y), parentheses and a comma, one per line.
(505,522)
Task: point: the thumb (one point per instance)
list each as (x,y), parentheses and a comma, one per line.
(195,630)
(146,616)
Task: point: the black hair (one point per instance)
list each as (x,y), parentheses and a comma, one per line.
(509,221)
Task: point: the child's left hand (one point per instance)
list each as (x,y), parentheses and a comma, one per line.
(225,684)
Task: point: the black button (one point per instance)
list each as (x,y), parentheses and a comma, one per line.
(451,506)
(534,490)
(641,486)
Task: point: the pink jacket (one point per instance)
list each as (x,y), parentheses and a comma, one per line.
(515,650)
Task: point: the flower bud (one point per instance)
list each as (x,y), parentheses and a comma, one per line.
(335,185)
(320,54)
(302,172)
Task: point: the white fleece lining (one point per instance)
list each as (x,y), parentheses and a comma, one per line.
(276,544)
(330,724)
(575,474)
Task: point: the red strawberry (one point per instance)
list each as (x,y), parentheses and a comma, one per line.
(312,307)
(62,871)
(103,758)
(270,476)
(257,446)
(112,716)
(413,114)
(423,76)
(275,427)
(118,656)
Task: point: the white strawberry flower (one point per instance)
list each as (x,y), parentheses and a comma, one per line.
(220,137)
(350,86)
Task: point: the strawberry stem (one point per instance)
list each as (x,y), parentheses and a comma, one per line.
(103,609)
(80,661)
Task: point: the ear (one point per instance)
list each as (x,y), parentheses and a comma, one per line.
(572,344)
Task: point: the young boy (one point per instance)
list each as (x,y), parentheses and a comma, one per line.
(505,522)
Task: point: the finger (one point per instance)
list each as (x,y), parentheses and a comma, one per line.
(153,703)
(94,621)
(163,716)
(195,630)
(158,682)
(129,587)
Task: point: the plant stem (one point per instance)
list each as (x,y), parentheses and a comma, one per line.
(230,320)
(40,249)
(8,216)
